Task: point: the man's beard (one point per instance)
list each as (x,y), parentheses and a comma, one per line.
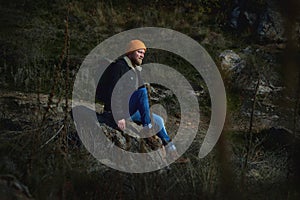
(138,62)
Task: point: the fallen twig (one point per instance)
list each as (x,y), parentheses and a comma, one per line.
(53,136)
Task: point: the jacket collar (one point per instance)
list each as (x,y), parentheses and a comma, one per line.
(129,63)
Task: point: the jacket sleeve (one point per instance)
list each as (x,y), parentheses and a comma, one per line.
(107,82)
(120,91)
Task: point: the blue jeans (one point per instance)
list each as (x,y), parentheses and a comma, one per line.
(140,112)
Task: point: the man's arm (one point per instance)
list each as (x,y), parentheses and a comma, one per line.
(120,97)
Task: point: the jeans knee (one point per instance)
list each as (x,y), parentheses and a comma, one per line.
(158,120)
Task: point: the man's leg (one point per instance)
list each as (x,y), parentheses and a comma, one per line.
(139,102)
(158,124)
(140,112)
(162,133)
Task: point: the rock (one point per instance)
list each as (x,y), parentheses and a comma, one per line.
(231,62)
(157,94)
(128,139)
(265,21)
(243,15)
(264,87)
(214,39)
(270,27)
(235,67)
(248,50)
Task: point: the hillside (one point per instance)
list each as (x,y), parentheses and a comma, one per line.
(255,46)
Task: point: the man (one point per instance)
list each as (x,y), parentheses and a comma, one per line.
(131,98)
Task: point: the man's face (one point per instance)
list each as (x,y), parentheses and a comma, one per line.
(137,57)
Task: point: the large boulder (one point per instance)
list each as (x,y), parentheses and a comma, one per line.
(128,140)
(264,20)
(231,62)
(270,26)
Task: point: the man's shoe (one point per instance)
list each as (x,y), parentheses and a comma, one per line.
(172,154)
(182,160)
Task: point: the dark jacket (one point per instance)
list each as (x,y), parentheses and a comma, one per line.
(119,70)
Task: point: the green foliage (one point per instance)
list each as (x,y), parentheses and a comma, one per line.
(35,39)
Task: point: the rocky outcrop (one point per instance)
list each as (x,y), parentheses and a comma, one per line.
(265,20)
(231,62)
(251,81)
(270,26)
(127,139)
(241,74)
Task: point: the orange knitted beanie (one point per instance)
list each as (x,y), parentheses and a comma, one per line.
(134,45)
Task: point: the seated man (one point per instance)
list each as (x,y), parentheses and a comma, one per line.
(138,108)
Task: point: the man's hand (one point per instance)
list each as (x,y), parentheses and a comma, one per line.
(122,124)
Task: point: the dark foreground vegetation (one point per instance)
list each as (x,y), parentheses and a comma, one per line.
(255,45)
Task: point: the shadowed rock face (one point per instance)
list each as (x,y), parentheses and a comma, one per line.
(15,116)
(128,139)
(28,111)
(265,21)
